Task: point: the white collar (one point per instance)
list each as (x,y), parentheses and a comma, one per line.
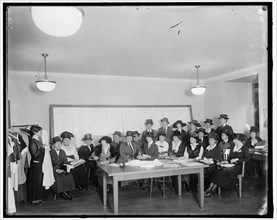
(210,148)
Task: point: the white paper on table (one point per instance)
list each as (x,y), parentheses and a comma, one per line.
(114,164)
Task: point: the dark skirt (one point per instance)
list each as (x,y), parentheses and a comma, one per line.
(80,176)
(35,189)
(226,178)
(63,182)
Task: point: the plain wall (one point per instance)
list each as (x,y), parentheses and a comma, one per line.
(29,105)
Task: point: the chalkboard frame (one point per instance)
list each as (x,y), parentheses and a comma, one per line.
(52,106)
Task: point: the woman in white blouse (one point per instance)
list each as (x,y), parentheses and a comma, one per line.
(79,172)
(163,146)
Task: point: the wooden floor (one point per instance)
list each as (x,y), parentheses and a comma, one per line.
(135,201)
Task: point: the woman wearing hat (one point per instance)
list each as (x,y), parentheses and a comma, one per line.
(178,146)
(178,126)
(203,139)
(79,172)
(148,129)
(226,144)
(163,146)
(194,125)
(227,178)
(254,140)
(208,126)
(85,152)
(166,129)
(35,175)
(212,154)
(64,182)
(128,151)
(223,125)
(117,142)
(104,153)
(192,151)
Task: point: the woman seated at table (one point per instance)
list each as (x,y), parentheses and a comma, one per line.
(178,146)
(79,172)
(203,139)
(85,153)
(151,151)
(64,182)
(254,140)
(163,146)
(178,126)
(226,178)
(104,153)
(192,151)
(127,152)
(212,154)
(226,144)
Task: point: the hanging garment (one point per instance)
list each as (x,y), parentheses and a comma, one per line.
(47,169)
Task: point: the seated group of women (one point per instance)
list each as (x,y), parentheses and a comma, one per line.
(197,143)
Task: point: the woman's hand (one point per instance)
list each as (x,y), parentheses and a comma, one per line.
(234,160)
(96,158)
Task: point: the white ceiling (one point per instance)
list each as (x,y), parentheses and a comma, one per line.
(138,41)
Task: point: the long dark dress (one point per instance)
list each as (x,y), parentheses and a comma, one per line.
(35,175)
(227,179)
(84,153)
(63,182)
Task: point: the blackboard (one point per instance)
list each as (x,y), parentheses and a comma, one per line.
(102,120)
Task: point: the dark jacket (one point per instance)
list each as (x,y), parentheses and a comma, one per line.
(127,153)
(84,151)
(168,133)
(180,151)
(98,151)
(152,150)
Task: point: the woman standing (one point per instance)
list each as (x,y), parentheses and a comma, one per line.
(79,172)
(35,176)
(227,178)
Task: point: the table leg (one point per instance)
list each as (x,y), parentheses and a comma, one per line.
(201,187)
(179,185)
(105,188)
(115,195)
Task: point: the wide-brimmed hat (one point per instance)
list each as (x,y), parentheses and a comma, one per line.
(195,136)
(149,121)
(179,122)
(165,119)
(149,134)
(227,132)
(35,128)
(254,129)
(87,137)
(210,121)
(162,133)
(56,139)
(223,116)
(66,134)
(201,130)
(213,135)
(136,133)
(106,138)
(195,122)
(129,133)
(176,133)
(117,133)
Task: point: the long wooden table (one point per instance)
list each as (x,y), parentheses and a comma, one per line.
(132,173)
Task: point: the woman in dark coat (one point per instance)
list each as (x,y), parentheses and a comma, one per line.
(177,146)
(104,153)
(178,125)
(227,178)
(85,153)
(35,189)
(64,182)
(212,154)
(79,172)
(226,144)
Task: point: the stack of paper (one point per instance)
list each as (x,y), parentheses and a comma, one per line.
(76,163)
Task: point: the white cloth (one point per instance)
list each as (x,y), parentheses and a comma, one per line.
(11,208)
(162,147)
(47,169)
(14,175)
(237,147)
(45,137)
(175,146)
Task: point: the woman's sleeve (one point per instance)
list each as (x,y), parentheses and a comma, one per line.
(76,155)
(245,156)
(35,151)
(122,152)
(200,153)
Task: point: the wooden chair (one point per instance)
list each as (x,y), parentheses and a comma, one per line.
(240,176)
(164,181)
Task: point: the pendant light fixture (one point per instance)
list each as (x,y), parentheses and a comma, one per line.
(58,21)
(45,84)
(198,89)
